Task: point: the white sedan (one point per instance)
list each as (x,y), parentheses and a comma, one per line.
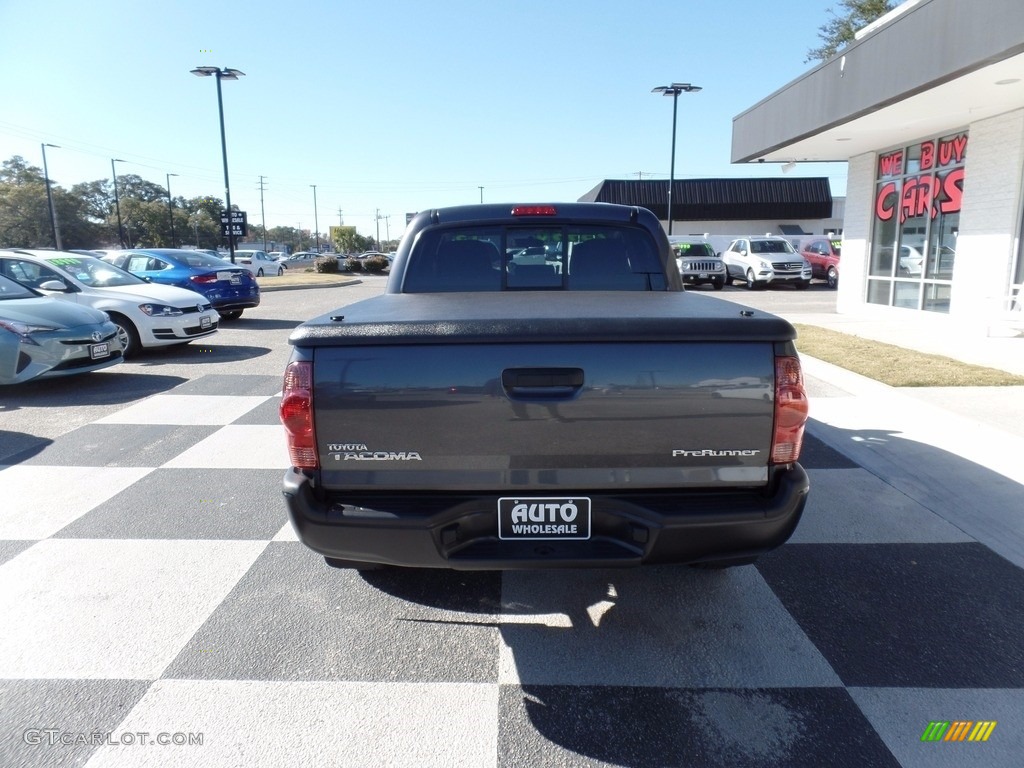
(146,314)
(258,262)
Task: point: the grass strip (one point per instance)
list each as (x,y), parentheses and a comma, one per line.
(896,366)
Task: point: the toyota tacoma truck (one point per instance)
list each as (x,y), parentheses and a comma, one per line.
(535,389)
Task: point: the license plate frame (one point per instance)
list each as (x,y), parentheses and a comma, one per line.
(205,322)
(544,518)
(99,351)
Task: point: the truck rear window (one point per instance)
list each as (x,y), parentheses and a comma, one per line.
(567,257)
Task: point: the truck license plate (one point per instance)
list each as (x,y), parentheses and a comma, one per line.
(525,517)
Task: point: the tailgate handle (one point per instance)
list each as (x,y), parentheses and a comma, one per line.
(542,382)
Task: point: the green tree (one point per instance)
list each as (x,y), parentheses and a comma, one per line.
(840,29)
(24,210)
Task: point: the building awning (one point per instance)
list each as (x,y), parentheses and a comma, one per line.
(722,199)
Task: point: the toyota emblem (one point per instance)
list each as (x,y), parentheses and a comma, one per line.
(96,335)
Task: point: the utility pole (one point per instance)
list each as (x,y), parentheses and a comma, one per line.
(263,215)
(378,228)
(387,226)
(481,194)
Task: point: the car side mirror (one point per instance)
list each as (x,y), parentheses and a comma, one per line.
(743,253)
(53,285)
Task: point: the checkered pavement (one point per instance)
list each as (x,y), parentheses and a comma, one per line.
(150,585)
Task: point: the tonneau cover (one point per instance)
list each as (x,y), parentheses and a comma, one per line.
(553,316)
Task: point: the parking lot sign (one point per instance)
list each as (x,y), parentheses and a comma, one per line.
(237,226)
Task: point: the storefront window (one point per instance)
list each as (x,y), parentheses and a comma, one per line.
(916,219)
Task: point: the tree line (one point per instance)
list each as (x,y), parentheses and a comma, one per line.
(87,216)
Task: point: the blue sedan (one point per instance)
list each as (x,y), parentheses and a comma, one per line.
(229,288)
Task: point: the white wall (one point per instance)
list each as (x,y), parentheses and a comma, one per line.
(990,215)
(853,265)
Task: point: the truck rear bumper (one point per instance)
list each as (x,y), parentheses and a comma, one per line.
(629,529)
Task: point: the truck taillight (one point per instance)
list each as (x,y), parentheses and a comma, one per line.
(297,415)
(790,410)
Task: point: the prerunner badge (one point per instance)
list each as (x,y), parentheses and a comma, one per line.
(524,517)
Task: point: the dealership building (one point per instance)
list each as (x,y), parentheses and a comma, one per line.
(927,108)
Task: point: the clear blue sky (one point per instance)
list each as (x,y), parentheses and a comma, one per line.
(393,105)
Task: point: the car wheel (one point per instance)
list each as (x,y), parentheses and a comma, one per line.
(280,271)
(718,284)
(127,335)
(259,272)
(832,277)
(352,565)
(232,314)
(751,282)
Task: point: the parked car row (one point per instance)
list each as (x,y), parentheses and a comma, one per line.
(230,288)
(65,312)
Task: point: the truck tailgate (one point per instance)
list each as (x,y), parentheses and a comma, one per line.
(516,416)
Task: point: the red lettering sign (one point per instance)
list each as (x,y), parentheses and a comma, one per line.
(891,164)
(952,150)
(885,203)
(952,191)
(927,155)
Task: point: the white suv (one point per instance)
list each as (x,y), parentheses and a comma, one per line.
(767,260)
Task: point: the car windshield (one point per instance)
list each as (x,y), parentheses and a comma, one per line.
(93,272)
(12,290)
(771,246)
(691,250)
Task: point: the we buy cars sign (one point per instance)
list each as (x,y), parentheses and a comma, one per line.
(237,226)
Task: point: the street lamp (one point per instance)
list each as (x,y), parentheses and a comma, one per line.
(117,202)
(49,199)
(316,219)
(674,90)
(223,74)
(170,206)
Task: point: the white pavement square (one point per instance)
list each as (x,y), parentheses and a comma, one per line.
(185,410)
(39,500)
(237,446)
(119,609)
(305,724)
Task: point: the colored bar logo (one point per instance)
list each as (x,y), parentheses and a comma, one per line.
(958,730)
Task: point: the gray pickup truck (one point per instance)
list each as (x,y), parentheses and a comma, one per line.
(535,389)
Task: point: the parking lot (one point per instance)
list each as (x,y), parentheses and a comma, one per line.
(153,591)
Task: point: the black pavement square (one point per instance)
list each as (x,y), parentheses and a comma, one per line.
(9,549)
(906,615)
(119,445)
(656,727)
(70,710)
(189,504)
(815,454)
(237,385)
(293,618)
(264,414)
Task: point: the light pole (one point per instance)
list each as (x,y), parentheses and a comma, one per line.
(49,199)
(117,203)
(481,193)
(170,206)
(378,228)
(316,219)
(674,90)
(223,74)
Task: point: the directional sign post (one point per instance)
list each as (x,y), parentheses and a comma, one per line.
(237,226)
